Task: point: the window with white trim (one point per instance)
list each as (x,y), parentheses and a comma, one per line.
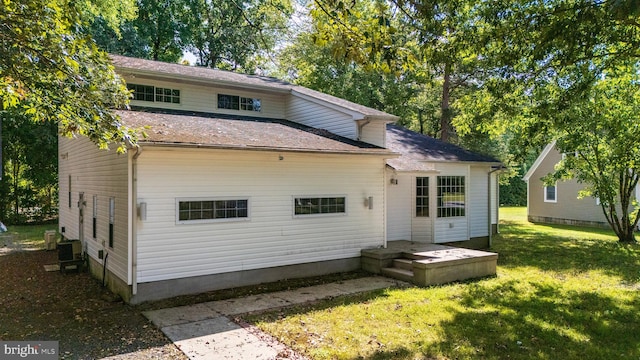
(154,94)
(212,209)
(168,95)
(319,205)
(551,193)
(422,196)
(451,196)
(234,102)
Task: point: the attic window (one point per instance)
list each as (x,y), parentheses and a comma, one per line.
(233,102)
(154,94)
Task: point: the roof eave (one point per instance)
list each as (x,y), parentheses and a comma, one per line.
(182,78)
(385,154)
(539,160)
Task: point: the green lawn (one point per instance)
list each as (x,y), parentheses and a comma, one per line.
(561,293)
(28,236)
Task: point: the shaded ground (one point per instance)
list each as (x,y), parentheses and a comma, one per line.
(74,309)
(89,321)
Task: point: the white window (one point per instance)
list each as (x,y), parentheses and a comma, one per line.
(319,205)
(234,102)
(168,95)
(152,93)
(422,197)
(213,209)
(451,196)
(550,194)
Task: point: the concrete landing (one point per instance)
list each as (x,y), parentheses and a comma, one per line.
(431,264)
(207,331)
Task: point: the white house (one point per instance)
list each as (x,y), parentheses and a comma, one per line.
(246,179)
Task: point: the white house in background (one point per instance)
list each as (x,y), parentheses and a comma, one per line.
(246,179)
(559,204)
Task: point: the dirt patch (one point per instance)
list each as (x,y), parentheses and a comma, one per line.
(74,309)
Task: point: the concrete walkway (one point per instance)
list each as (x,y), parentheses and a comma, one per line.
(207,331)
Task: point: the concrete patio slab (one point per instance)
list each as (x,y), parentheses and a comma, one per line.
(181,315)
(206,331)
(218,338)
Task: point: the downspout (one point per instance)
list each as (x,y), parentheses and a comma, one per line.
(499,168)
(360,127)
(134,220)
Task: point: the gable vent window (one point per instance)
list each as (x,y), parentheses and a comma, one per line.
(154,94)
(233,102)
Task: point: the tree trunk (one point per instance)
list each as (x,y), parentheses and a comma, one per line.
(446,131)
(16,190)
(625,225)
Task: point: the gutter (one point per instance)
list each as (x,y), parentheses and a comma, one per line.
(134,220)
(182,78)
(388,154)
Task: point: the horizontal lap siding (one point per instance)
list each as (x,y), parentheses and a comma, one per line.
(479,202)
(399,207)
(311,114)
(102,173)
(374,133)
(272,236)
(568,206)
(205,99)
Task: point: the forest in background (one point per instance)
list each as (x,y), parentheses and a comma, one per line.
(494,77)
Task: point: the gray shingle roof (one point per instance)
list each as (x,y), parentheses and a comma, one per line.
(180,128)
(417,150)
(230,78)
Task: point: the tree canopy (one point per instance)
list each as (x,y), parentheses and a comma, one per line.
(50,71)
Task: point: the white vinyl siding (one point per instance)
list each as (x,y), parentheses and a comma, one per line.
(190,211)
(102,173)
(205,99)
(312,114)
(478,207)
(374,133)
(399,202)
(272,236)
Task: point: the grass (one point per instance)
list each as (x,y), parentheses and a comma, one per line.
(561,293)
(27,236)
